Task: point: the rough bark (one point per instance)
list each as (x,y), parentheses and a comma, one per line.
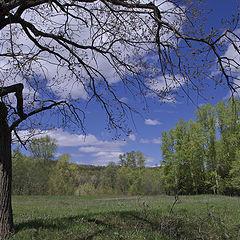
(6,217)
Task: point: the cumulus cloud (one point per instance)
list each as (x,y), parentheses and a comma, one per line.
(124,99)
(233,67)
(150,161)
(152,122)
(165,86)
(60,79)
(151,141)
(132,137)
(102,152)
(232,54)
(103,158)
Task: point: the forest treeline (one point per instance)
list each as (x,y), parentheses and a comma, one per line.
(40,174)
(198,156)
(203,156)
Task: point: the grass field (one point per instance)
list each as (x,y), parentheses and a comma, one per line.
(192,217)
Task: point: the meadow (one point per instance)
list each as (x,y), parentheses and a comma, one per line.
(126,217)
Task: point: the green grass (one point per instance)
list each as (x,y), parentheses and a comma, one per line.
(60,217)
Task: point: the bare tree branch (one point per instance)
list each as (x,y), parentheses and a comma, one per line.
(93,44)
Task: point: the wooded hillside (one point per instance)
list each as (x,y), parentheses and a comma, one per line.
(201,156)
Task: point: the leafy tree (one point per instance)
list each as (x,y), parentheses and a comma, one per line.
(23,173)
(152,181)
(108,176)
(140,159)
(132,159)
(85,189)
(206,116)
(170,167)
(63,177)
(128,159)
(43,149)
(78,41)
(235,174)
(30,177)
(125,178)
(195,147)
(228,114)
(183,158)
(42,152)
(203,156)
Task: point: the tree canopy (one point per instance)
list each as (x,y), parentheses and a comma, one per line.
(43,149)
(202,156)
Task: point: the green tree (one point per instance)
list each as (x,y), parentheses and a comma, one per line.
(125,179)
(206,117)
(42,152)
(63,177)
(29,177)
(183,158)
(152,181)
(43,149)
(23,173)
(132,159)
(228,114)
(128,159)
(234,180)
(140,159)
(109,175)
(169,164)
(203,156)
(195,147)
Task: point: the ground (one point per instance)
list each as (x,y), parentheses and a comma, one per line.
(126,217)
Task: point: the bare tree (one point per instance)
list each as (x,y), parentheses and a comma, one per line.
(68,53)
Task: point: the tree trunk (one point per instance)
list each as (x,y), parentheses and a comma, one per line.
(6,217)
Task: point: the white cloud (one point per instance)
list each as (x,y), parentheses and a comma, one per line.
(66,139)
(232,54)
(150,161)
(143,140)
(59,78)
(230,62)
(152,122)
(165,86)
(89,149)
(233,68)
(76,155)
(103,158)
(152,141)
(102,152)
(132,137)
(124,99)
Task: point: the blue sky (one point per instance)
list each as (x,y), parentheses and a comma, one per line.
(98,147)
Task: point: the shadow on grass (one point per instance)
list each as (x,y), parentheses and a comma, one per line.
(119,223)
(35,224)
(63,224)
